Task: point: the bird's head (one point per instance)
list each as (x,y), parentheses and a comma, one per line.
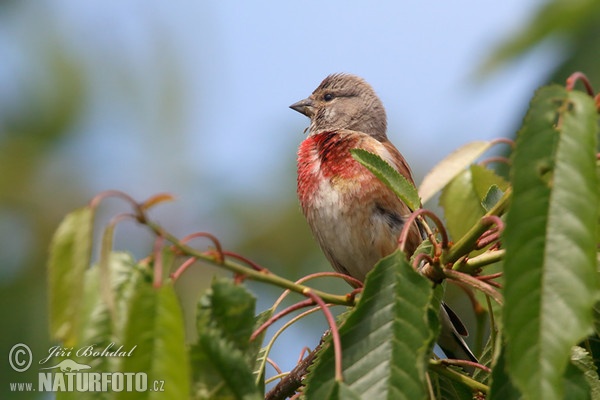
(344,101)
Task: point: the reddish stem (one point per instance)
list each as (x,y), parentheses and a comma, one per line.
(498,159)
(279,315)
(274,365)
(494,219)
(507,141)
(113,193)
(335,334)
(579,76)
(489,279)
(243,259)
(209,236)
(158,265)
(475,283)
(487,238)
(183,267)
(304,351)
(411,219)
(419,258)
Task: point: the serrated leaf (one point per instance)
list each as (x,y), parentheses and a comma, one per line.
(223,359)
(404,189)
(231,366)
(551,282)
(70,253)
(155,332)
(232,312)
(582,376)
(97,327)
(387,339)
(450,167)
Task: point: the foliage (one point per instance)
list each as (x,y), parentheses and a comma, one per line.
(540,230)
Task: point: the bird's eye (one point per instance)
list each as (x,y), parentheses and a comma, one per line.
(328,97)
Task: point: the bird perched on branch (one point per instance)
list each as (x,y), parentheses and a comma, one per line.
(356,218)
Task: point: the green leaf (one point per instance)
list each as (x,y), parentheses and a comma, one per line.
(340,391)
(551,282)
(581,378)
(450,167)
(97,326)
(493,196)
(448,389)
(155,334)
(70,253)
(502,387)
(462,198)
(404,189)
(387,339)
(232,312)
(224,360)
(258,353)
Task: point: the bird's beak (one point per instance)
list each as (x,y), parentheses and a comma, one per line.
(305,107)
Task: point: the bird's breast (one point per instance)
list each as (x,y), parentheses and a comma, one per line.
(324,161)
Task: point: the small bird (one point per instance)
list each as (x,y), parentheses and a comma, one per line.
(355,218)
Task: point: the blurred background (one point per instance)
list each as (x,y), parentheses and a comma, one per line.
(192,98)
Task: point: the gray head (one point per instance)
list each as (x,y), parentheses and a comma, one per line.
(344,101)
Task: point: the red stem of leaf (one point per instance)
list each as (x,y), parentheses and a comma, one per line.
(487,238)
(475,283)
(243,259)
(335,334)
(498,159)
(411,219)
(507,141)
(209,236)
(579,76)
(113,193)
(183,267)
(419,258)
(158,266)
(274,365)
(494,219)
(279,315)
(304,350)
(489,279)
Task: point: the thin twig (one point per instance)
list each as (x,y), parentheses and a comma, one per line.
(439,367)
(475,283)
(335,334)
(237,268)
(281,314)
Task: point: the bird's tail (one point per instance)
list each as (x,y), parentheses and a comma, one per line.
(451,337)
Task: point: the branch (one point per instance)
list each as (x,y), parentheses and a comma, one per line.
(290,384)
(471,265)
(439,367)
(475,283)
(240,269)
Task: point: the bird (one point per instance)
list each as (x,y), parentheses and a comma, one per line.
(355,218)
